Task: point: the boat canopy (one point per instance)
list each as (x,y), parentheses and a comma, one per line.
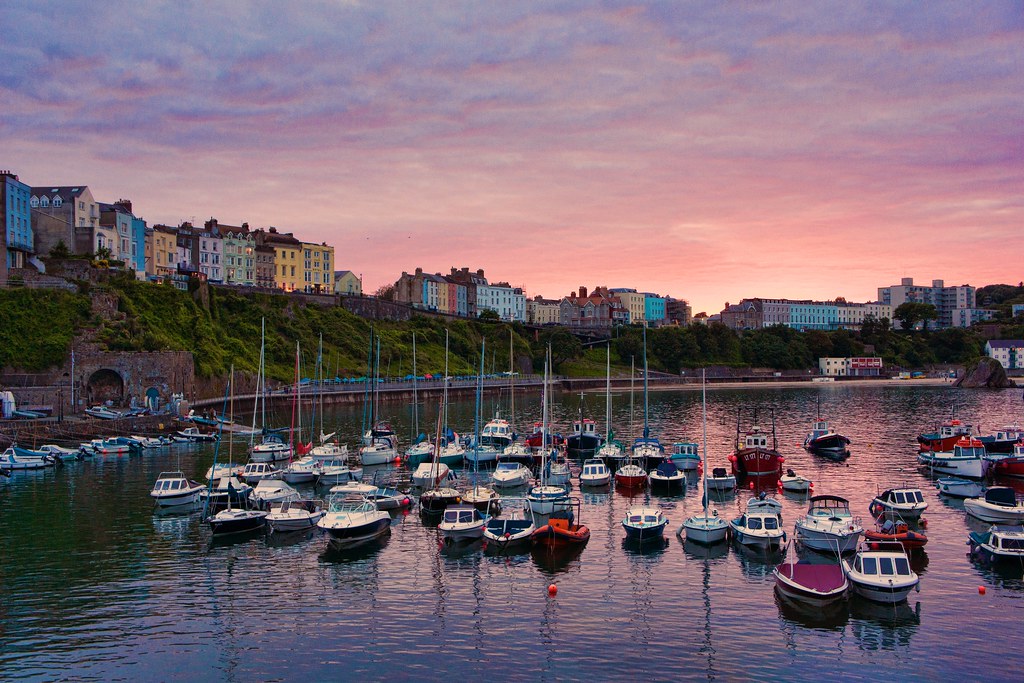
(828,498)
(1001,495)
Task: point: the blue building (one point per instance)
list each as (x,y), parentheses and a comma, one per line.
(129,242)
(654,309)
(813,315)
(17,218)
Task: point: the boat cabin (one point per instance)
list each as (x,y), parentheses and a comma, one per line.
(594,468)
(829,506)
(755,439)
(1006,539)
(461,514)
(646,518)
(969,447)
(902,497)
(882,564)
(171,481)
(757,520)
(1001,495)
(688,449)
(954,428)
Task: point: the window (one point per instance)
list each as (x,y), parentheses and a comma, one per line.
(81,206)
(45,201)
(57,201)
(34,202)
(293,271)
(885,563)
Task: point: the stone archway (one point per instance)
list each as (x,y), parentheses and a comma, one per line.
(105,385)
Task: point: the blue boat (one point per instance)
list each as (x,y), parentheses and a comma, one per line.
(644,524)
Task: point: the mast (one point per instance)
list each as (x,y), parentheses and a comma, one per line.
(295,402)
(445,390)
(415,396)
(608,395)
(632,379)
(511,382)
(376,390)
(259,377)
(231,407)
(544,425)
(476,417)
(704,400)
(647,431)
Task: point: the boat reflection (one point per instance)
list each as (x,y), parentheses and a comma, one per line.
(284,539)
(828,617)
(556,559)
(354,553)
(700,551)
(757,563)
(458,549)
(654,546)
(878,626)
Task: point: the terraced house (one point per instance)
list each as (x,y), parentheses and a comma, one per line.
(17,223)
(68,214)
(239,256)
(288,261)
(317,268)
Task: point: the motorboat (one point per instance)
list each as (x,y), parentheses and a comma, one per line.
(388,498)
(999,505)
(337,471)
(583,441)
(305,470)
(512,530)
(481,497)
(999,543)
(896,531)
(956,487)
(794,483)
(353,488)
(563,528)
(754,457)
(761,525)
(546,498)
(271,448)
(430,474)
(648,451)
(174,488)
(380,451)
(685,456)
(194,435)
(901,503)
(667,477)
(595,473)
(644,523)
(418,453)
(829,526)
(61,453)
(350,521)
(328,449)
(236,521)
(1003,440)
(149,442)
(462,523)
(558,472)
(103,413)
(225,490)
(966,459)
(226,469)
(109,447)
(495,437)
(253,472)
(295,515)
(518,452)
(813,583)
(631,475)
(439,498)
(945,437)
(270,491)
(11,461)
(509,474)
(825,439)
(881,573)
(1009,465)
(612,453)
(720,480)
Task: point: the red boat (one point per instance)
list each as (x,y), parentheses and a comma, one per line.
(945,438)
(1012,465)
(537,438)
(561,530)
(630,475)
(753,458)
(816,583)
(897,532)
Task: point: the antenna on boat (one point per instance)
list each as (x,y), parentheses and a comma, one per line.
(775,443)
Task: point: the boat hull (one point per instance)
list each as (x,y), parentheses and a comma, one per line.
(187,497)
(706,530)
(225,525)
(996,514)
(635,534)
(826,541)
(884,594)
(972,468)
(756,462)
(813,584)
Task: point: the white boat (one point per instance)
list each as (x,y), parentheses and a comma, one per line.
(999,505)
(270,491)
(337,471)
(761,525)
(462,523)
(13,462)
(294,515)
(381,451)
(61,453)
(959,488)
(998,543)
(350,521)
(900,503)
(235,521)
(227,469)
(329,449)
(514,529)
(793,482)
(353,488)
(558,473)
(967,459)
(495,437)
(225,489)
(644,523)
(720,480)
(386,498)
(881,572)
(103,413)
(481,497)
(545,498)
(271,449)
(685,456)
(429,474)
(705,528)
(829,526)
(667,477)
(149,442)
(253,472)
(109,447)
(193,434)
(510,474)
(174,488)
(595,473)
(305,470)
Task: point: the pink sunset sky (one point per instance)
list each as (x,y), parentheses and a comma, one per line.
(707,151)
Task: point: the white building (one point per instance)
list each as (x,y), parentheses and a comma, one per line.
(507,301)
(1009,352)
(540,311)
(850,367)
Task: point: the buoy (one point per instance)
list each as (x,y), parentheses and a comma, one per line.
(981,590)
(924,523)
(751,486)
(553,590)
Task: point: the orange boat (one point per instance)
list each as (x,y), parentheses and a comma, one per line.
(897,532)
(561,530)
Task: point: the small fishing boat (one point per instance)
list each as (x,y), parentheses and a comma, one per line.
(720,480)
(510,474)
(462,523)
(881,573)
(430,474)
(149,442)
(437,499)
(903,503)
(753,456)
(295,515)
(794,483)
(481,497)
(685,456)
(824,439)
(956,487)
(595,473)
(811,582)
(350,521)
(272,448)
(1003,440)
(194,435)
(109,447)
(999,543)
(896,531)
(631,475)
(495,437)
(562,528)
(174,488)
(225,490)
(253,472)
(966,459)
(558,472)
(584,440)
(103,413)
(61,453)
(829,526)
(999,505)
(13,462)
(270,491)
(227,469)
(667,477)
(1011,465)
(515,529)
(945,437)
(761,525)
(644,524)
(353,489)
(236,521)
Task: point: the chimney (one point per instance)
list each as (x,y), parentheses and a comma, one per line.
(480,272)
(583,292)
(245,226)
(419,271)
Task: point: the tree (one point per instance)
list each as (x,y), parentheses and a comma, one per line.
(564,345)
(911,313)
(60,251)
(489,315)
(385,292)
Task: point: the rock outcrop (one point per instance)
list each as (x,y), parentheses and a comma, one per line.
(987,374)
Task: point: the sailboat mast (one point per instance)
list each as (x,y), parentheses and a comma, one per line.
(608,395)
(544,424)
(704,401)
(476,417)
(231,407)
(632,393)
(647,432)
(415,395)
(295,401)
(259,378)
(445,391)
(511,383)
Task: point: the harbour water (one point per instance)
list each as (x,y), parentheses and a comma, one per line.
(98,586)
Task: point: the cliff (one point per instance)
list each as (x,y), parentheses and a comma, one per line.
(987,374)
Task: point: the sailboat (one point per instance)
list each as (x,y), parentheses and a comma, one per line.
(546,498)
(705,528)
(480,497)
(516,451)
(647,449)
(382,445)
(584,441)
(421,449)
(439,497)
(611,450)
(272,447)
(630,474)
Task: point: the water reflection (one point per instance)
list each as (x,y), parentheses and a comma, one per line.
(557,559)
(332,554)
(828,617)
(877,626)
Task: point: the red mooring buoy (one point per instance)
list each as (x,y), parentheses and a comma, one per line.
(552,590)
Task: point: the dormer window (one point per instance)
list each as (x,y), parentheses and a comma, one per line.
(33,202)
(57,201)
(45,201)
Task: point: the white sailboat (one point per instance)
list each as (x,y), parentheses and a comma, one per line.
(545,498)
(705,528)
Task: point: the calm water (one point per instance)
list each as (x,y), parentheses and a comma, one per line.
(97,586)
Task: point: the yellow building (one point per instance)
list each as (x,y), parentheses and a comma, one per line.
(347,283)
(288,260)
(317,268)
(162,250)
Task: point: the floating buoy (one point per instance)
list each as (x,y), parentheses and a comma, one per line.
(924,523)
(553,590)
(981,590)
